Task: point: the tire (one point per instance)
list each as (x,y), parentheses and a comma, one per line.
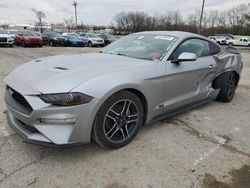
(116,126)
(90,44)
(227,84)
(51,43)
(230,44)
(23,44)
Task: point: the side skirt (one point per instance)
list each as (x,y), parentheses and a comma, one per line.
(181,110)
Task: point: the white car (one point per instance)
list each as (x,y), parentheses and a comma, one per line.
(6,38)
(93,39)
(221,40)
(240,42)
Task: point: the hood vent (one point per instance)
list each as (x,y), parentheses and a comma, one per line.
(61,68)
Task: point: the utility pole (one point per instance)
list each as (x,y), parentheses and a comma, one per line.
(75,5)
(201,16)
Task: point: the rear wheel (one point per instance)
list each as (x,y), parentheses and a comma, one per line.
(227,84)
(118,120)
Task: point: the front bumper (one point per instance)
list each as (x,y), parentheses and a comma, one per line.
(31,43)
(98,43)
(9,42)
(59,42)
(27,125)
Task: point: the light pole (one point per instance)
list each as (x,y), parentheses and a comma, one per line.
(201,16)
(75,5)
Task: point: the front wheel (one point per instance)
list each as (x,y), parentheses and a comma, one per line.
(51,43)
(118,120)
(23,44)
(90,44)
(227,84)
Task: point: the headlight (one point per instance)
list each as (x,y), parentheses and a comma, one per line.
(66,99)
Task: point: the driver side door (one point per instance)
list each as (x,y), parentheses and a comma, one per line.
(188,81)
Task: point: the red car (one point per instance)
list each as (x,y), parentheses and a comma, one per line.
(28,38)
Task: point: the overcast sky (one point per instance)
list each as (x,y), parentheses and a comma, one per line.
(100,12)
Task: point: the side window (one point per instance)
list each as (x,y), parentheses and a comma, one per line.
(214,48)
(245,40)
(198,46)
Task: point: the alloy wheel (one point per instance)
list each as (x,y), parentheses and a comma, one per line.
(120,121)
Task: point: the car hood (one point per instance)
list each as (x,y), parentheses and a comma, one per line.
(5,35)
(96,38)
(75,40)
(64,73)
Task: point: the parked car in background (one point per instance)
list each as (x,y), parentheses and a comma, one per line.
(28,38)
(6,38)
(107,38)
(221,40)
(38,33)
(93,39)
(74,41)
(239,42)
(107,97)
(13,33)
(84,39)
(53,39)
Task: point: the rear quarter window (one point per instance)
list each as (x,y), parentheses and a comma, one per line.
(214,48)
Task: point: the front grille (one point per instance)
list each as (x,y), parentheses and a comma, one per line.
(3,39)
(19,99)
(99,41)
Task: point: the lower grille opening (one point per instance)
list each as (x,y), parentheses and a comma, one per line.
(27,127)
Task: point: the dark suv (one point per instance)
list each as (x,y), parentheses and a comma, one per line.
(53,39)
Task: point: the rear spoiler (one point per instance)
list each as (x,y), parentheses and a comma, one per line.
(231,49)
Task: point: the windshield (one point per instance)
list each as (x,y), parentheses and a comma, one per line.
(54,35)
(90,35)
(110,37)
(3,31)
(141,46)
(28,33)
(13,32)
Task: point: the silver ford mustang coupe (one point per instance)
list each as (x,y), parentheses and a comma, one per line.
(107,96)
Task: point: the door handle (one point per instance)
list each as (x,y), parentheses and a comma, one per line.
(211,66)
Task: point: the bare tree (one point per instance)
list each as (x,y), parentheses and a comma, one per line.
(40,15)
(234,21)
(69,23)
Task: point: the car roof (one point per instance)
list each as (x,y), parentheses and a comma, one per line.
(178,34)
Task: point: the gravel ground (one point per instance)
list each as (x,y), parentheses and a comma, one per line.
(206,147)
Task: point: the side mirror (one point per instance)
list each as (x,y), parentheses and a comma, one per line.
(185,56)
